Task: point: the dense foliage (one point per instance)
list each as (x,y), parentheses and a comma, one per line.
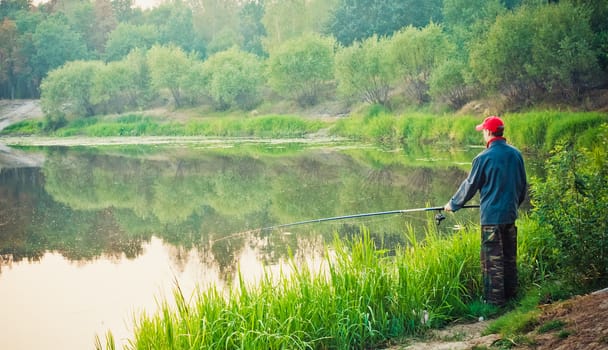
(444,53)
(537,51)
(572,204)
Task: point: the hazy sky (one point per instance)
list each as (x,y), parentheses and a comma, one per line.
(146,3)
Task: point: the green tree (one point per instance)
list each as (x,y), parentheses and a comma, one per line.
(216,24)
(289,19)
(126,37)
(537,51)
(104,23)
(27,81)
(226,38)
(139,88)
(355,20)
(467,20)
(283,20)
(195,84)
(319,14)
(173,22)
(68,90)
(564,60)
(499,58)
(123,10)
(301,68)
(415,53)
(123,85)
(80,17)
(55,43)
(11,58)
(27,21)
(234,78)
(251,27)
(364,70)
(170,69)
(598,12)
(8,8)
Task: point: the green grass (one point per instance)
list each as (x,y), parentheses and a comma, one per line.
(534,131)
(543,130)
(524,315)
(531,131)
(551,326)
(364,297)
(26,127)
(276,126)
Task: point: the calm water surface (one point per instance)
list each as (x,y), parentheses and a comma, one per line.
(92,237)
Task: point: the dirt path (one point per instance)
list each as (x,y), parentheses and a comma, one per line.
(455,337)
(13,111)
(577,323)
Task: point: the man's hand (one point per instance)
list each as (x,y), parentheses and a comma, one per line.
(447,207)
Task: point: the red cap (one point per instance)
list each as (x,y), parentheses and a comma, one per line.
(492,123)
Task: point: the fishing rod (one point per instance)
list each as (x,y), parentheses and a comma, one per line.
(438,217)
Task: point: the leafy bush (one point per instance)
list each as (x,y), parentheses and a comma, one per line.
(364,71)
(416,53)
(302,67)
(447,84)
(234,78)
(68,90)
(572,203)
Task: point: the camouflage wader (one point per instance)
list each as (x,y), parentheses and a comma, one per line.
(498,262)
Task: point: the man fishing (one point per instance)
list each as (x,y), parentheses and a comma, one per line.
(499,175)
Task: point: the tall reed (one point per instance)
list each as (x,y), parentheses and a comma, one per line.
(361,298)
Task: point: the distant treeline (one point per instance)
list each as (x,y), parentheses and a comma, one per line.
(93,57)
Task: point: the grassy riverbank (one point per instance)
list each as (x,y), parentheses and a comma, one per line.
(534,131)
(363,298)
(143,125)
(529,131)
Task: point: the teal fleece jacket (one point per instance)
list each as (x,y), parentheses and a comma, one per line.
(498,173)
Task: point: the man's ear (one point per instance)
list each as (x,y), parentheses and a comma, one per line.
(486,134)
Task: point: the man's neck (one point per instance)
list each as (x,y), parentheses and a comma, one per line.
(494,138)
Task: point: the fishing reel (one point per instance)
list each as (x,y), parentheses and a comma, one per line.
(439,217)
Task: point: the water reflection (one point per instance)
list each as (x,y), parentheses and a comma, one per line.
(62,304)
(94,235)
(84,204)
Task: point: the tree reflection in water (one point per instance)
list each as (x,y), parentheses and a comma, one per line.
(87,204)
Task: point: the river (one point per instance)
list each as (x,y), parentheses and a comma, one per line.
(90,237)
